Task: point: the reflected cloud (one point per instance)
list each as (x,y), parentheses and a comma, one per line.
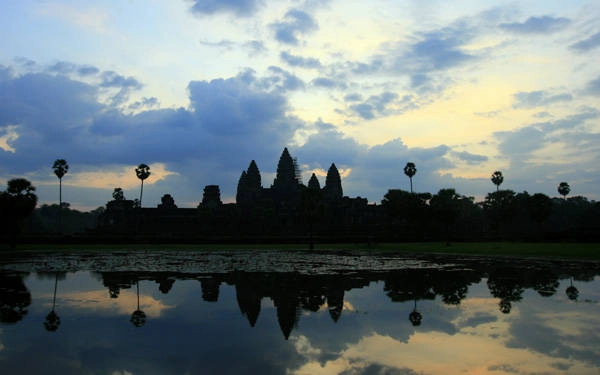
(468,351)
(99,301)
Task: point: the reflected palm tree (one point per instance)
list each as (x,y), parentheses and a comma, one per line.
(415,317)
(52,321)
(138,317)
(572,292)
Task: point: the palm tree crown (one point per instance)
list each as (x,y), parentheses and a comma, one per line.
(497,179)
(564,189)
(61,167)
(410,170)
(142,172)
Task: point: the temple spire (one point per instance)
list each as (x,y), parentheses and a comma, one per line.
(333,184)
(286,172)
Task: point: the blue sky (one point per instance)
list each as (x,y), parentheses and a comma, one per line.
(198,89)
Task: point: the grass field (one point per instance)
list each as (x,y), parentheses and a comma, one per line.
(516,249)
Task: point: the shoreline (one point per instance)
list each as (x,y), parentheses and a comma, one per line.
(546,250)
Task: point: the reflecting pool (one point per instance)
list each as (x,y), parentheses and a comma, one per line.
(273,312)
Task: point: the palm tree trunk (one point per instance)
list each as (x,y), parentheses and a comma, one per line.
(141,192)
(59,205)
(55,286)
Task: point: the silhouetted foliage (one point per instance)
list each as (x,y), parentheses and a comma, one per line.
(118,194)
(43,220)
(17,202)
(564,189)
(540,207)
(142,172)
(499,207)
(410,170)
(497,179)
(290,211)
(409,212)
(15,298)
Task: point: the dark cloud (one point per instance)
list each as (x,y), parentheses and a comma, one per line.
(295,23)
(539,98)
(440,50)
(516,144)
(144,103)
(63,67)
(376,369)
(113,79)
(587,44)
(328,146)
(299,61)
(68,68)
(353,98)
(384,104)
(374,105)
(328,83)
(87,70)
(537,25)
(242,8)
(470,158)
(283,80)
(593,87)
(229,122)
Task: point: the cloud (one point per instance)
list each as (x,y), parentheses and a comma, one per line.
(588,44)
(593,87)
(299,61)
(256,47)
(113,79)
(328,83)
(329,145)
(353,97)
(470,158)
(385,104)
(539,98)
(230,121)
(296,23)
(521,142)
(440,50)
(282,79)
(242,8)
(224,44)
(537,25)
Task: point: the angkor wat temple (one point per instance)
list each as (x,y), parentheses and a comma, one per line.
(287,210)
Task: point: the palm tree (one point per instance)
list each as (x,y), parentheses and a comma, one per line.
(497,179)
(410,170)
(52,321)
(415,316)
(61,168)
(564,189)
(142,172)
(138,317)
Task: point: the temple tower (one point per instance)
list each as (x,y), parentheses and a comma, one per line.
(286,180)
(333,184)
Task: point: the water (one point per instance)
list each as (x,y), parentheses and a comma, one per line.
(270,312)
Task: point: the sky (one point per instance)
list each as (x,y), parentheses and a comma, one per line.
(198,89)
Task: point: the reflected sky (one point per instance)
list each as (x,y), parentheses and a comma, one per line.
(342,324)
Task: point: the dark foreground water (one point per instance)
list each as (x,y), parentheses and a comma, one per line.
(296,313)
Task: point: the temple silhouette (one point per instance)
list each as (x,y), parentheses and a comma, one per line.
(287,210)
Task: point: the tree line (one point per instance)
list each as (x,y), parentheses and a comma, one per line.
(409,215)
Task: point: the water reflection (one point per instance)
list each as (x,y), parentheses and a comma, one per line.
(423,316)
